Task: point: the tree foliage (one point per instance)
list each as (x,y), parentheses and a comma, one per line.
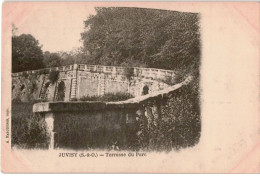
(26,53)
(174,124)
(28,130)
(143,37)
(54,76)
(51,59)
(118,96)
(76,56)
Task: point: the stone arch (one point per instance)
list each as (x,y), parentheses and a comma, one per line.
(145,90)
(22,87)
(61,91)
(47,84)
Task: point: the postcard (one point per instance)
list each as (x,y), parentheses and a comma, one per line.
(130,87)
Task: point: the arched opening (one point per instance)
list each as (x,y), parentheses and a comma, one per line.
(22,87)
(61,92)
(145,90)
(13,87)
(46,85)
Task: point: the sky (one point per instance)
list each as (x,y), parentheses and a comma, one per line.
(57,28)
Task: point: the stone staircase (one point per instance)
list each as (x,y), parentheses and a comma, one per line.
(74,88)
(42,94)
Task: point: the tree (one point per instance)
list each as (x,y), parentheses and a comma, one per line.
(143,37)
(26,53)
(51,59)
(76,56)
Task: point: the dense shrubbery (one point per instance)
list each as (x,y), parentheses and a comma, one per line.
(28,130)
(176,125)
(73,99)
(54,76)
(119,96)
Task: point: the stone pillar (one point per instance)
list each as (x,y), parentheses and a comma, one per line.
(114,70)
(95,68)
(150,73)
(74,82)
(49,119)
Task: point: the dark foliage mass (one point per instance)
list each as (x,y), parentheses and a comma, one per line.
(143,37)
(54,76)
(26,53)
(51,59)
(28,130)
(119,96)
(78,56)
(176,123)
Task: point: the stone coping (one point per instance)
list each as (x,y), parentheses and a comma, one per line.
(79,106)
(97,68)
(132,103)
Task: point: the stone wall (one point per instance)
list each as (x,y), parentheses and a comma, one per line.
(168,116)
(87,80)
(85,125)
(122,125)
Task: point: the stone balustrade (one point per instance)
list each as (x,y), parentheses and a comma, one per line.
(80,80)
(146,72)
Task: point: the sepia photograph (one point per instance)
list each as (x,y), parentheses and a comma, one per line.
(130,83)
